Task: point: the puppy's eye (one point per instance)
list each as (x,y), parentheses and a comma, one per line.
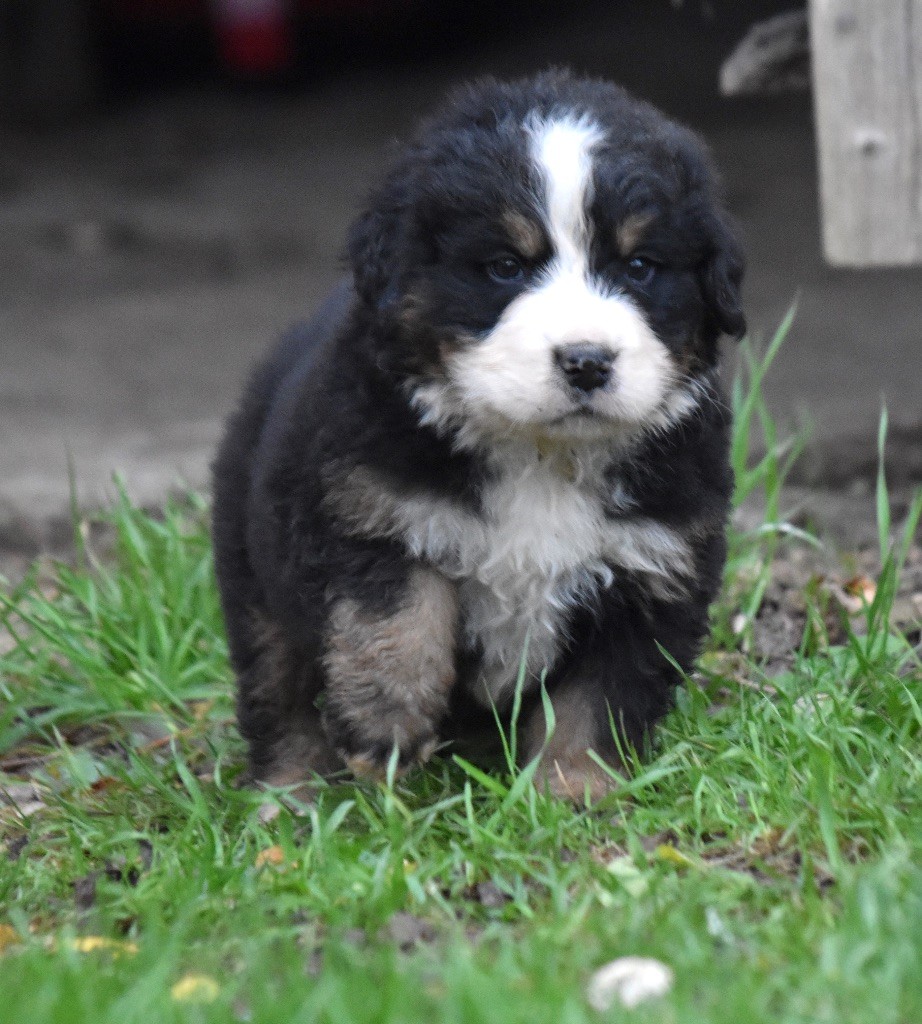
(640,270)
(505,269)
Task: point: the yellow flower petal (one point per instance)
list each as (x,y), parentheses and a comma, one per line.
(195,988)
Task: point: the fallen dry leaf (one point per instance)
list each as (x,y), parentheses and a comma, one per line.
(862,587)
(103,783)
(668,854)
(99,943)
(851,603)
(271,855)
(631,980)
(8,937)
(195,988)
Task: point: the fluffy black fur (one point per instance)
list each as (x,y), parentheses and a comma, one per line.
(336,395)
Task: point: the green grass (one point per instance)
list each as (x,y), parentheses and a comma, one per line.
(769,850)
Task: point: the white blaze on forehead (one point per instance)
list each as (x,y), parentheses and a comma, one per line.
(562,150)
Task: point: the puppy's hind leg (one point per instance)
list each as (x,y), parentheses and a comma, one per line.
(389,673)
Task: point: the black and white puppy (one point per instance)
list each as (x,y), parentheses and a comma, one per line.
(501,443)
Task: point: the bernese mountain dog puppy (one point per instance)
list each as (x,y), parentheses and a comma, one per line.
(496,460)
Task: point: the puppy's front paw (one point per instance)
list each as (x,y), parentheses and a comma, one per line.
(575,777)
(566,770)
(389,673)
(373,762)
(365,737)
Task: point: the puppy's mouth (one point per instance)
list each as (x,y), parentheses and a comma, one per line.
(583,406)
(581,412)
(585,421)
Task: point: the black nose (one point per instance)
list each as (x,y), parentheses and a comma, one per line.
(586,366)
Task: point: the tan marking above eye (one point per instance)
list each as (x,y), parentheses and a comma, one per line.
(630,232)
(525,235)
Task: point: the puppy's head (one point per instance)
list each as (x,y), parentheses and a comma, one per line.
(549,258)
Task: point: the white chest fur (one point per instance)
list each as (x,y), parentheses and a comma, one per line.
(541,546)
(539,551)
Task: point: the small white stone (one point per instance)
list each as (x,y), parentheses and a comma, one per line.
(629,979)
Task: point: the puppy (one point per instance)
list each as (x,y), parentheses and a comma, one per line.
(498,456)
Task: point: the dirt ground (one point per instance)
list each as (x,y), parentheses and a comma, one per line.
(149,250)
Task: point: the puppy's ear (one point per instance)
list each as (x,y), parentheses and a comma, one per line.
(721,282)
(373,252)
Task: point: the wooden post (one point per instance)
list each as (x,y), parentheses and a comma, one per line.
(867,79)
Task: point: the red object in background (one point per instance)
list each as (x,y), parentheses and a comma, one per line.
(198,10)
(256,37)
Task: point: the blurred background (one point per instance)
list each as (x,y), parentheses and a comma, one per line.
(176,179)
